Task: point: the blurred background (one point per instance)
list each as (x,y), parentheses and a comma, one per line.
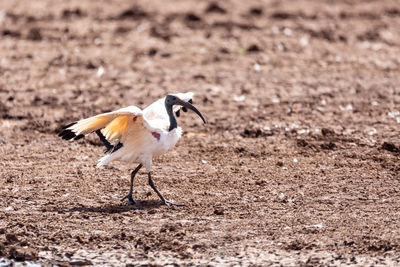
(300,157)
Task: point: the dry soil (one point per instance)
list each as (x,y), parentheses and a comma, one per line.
(299,162)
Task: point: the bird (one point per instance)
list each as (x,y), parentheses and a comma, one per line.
(133,135)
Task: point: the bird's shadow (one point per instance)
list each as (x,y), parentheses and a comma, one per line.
(114,208)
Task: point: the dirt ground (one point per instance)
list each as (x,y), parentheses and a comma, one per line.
(299,162)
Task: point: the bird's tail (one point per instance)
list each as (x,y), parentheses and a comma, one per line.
(110,157)
(104,160)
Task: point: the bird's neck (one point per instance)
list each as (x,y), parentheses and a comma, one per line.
(172,120)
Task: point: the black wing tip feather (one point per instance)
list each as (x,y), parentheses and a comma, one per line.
(67,134)
(117,146)
(109,147)
(183,109)
(112,148)
(67,126)
(79,137)
(107,144)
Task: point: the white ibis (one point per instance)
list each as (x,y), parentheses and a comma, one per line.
(136,136)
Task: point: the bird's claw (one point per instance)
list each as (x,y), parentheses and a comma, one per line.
(131,201)
(171,203)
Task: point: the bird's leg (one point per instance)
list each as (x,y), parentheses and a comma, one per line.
(166,202)
(129,196)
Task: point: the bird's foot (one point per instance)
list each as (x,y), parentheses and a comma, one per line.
(131,201)
(171,203)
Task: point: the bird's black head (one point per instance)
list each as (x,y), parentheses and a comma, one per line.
(171,100)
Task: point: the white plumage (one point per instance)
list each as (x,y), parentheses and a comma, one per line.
(134,135)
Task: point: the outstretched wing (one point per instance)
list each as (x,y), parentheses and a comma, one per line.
(111,127)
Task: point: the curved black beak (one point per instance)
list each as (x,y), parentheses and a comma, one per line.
(189,106)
